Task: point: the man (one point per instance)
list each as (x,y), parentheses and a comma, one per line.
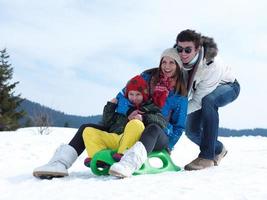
(210,85)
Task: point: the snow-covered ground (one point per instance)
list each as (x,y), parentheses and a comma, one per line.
(242,174)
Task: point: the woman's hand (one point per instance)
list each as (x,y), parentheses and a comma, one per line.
(160,95)
(114,100)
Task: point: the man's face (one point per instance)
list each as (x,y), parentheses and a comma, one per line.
(187,51)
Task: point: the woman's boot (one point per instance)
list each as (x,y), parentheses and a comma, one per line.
(59,164)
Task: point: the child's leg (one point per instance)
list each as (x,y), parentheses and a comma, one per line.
(96,140)
(131,135)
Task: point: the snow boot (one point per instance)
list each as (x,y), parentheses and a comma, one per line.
(220,156)
(131,161)
(199,163)
(62,159)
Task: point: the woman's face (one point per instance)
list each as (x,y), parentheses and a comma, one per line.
(187,51)
(135,97)
(168,66)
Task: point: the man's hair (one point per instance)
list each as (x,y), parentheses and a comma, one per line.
(189,36)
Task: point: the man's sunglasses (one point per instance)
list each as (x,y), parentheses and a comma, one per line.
(186,49)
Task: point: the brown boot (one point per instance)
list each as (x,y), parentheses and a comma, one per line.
(220,156)
(199,163)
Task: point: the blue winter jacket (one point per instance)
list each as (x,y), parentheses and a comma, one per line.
(174,111)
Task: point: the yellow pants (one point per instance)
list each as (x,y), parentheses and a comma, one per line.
(96,140)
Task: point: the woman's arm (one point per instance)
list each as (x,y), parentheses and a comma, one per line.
(177,121)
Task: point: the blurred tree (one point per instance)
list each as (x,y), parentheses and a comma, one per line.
(42,120)
(9,114)
(66,124)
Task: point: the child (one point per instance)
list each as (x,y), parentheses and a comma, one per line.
(123,131)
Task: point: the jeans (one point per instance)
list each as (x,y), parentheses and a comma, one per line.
(202,125)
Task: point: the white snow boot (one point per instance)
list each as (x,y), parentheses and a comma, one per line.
(62,159)
(131,161)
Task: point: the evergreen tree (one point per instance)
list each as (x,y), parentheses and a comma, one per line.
(9,114)
(66,124)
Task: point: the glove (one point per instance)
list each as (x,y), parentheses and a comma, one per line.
(160,95)
(123,104)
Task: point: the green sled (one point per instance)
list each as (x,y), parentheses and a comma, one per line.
(146,168)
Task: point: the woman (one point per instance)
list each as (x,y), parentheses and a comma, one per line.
(168,89)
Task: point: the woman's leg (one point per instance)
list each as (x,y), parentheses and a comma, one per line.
(154,138)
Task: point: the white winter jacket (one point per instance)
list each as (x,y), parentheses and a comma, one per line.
(206,79)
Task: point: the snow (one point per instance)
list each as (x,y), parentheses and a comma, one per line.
(242,174)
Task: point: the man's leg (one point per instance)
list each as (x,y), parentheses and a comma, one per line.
(210,147)
(193,127)
(221,96)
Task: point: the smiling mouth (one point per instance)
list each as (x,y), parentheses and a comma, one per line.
(167,72)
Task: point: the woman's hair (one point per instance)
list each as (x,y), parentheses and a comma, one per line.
(180,87)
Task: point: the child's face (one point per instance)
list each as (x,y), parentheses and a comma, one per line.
(135,97)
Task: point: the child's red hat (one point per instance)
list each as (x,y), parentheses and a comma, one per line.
(139,84)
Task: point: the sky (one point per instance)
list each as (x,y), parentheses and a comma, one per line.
(75,55)
(235,178)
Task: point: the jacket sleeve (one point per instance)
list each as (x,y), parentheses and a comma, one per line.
(177,122)
(123,103)
(108,113)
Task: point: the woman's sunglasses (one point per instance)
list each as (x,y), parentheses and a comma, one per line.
(186,49)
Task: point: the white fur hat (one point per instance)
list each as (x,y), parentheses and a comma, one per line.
(172,52)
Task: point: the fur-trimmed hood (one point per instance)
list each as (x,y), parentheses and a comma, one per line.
(210,48)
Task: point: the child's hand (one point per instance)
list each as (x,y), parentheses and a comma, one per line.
(139,117)
(137,114)
(131,116)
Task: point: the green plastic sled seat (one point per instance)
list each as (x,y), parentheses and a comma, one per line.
(106,156)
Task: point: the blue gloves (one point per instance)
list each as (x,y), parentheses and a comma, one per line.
(123,104)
